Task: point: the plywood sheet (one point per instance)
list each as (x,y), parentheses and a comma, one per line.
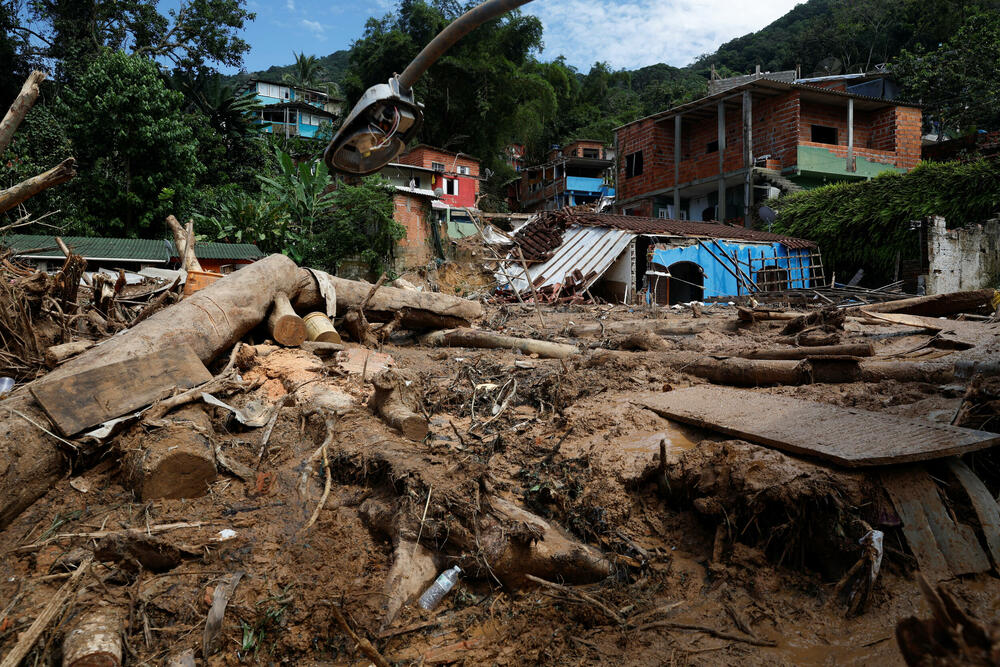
(846,436)
(986,507)
(91,397)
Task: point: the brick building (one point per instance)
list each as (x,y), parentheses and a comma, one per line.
(577,173)
(455,174)
(714,158)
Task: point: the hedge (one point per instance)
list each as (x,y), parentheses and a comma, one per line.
(864,224)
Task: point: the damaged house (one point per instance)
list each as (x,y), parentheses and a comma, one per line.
(633,260)
(715,158)
(577,173)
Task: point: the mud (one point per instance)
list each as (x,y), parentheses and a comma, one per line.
(723,535)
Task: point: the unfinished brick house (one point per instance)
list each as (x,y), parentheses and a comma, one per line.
(717,157)
(577,173)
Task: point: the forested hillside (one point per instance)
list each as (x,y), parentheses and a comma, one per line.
(135,95)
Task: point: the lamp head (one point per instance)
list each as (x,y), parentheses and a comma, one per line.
(376,131)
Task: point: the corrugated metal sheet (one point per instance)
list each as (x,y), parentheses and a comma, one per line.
(587,249)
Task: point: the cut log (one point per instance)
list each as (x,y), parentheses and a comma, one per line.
(908,371)
(658,327)
(22,104)
(95,640)
(394,401)
(210,322)
(851,350)
(752,372)
(934,305)
(419,310)
(489,340)
(27,189)
(358,329)
(57,354)
(172,462)
(762,315)
(285,326)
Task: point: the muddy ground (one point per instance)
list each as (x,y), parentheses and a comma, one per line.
(731,556)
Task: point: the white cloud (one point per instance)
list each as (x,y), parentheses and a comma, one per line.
(636,33)
(315,27)
(290,5)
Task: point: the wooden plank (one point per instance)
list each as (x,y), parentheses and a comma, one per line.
(846,436)
(916,498)
(78,402)
(917,530)
(983,503)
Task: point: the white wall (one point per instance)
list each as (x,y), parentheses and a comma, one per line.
(960,259)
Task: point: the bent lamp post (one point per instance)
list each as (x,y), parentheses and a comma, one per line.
(387,117)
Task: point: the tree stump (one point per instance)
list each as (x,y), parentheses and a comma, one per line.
(176,461)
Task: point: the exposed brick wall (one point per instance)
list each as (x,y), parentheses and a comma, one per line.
(780,124)
(414,249)
(423,156)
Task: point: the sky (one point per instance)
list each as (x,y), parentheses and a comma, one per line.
(625,33)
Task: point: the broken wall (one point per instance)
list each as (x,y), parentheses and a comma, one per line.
(965,258)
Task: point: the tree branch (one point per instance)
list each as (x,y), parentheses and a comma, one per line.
(25,100)
(24,190)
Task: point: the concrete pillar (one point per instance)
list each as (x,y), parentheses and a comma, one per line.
(850,134)
(747,155)
(677,166)
(720,209)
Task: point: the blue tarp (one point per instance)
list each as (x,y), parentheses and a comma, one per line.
(720,282)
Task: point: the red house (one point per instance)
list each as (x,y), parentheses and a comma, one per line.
(456,175)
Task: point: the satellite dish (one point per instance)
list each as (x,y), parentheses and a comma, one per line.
(829,66)
(768,215)
(438,192)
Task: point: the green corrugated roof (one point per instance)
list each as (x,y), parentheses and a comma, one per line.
(212,250)
(133,250)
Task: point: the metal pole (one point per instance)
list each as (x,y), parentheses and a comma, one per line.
(455,31)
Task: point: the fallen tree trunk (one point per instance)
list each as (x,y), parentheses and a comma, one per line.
(27,189)
(22,104)
(934,305)
(285,326)
(95,640)
(418,310)
(848,349)
(210,322)
(752,372)
(658,327)
(761,315)
(489,340)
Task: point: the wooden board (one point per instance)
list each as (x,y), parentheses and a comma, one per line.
(78,402)
(986,507)
(847,436)
(941,546)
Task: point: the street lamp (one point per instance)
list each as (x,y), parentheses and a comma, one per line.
(387,117)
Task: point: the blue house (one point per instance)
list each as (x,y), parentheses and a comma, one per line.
(292,111)
(628,259)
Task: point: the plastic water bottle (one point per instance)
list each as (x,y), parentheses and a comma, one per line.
(436,591)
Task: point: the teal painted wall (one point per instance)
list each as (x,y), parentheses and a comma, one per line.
(815,160)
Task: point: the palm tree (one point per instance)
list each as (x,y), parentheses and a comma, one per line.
(307,72)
